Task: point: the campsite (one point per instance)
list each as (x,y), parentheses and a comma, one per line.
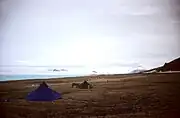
(134,95)
(89,59)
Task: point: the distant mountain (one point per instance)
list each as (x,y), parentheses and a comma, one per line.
(138,71)
(171,66)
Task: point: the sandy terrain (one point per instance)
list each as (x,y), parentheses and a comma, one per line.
(149,95)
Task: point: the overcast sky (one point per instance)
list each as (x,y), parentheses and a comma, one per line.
(105,35)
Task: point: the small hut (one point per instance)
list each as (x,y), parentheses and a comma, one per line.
(84,85)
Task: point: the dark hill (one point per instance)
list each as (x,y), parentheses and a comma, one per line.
(171,66)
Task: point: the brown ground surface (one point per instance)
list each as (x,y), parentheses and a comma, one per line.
(138,96)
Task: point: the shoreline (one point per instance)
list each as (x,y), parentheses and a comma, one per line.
(112,76)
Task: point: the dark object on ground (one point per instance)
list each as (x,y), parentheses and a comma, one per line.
(76,85)
(84,85)
(43,93)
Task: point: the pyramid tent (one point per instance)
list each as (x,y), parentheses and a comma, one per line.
(43,93)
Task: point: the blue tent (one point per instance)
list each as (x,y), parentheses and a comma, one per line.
(43,93)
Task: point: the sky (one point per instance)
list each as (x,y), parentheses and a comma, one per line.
(109,36)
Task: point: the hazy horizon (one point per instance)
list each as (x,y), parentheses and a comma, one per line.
(114,36)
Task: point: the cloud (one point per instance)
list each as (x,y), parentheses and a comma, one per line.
(139,10)
(24,63)
(147,11)
(175,21)
(120,64)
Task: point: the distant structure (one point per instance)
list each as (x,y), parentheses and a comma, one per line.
(84,85)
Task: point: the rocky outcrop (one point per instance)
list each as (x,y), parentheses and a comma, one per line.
(171,66)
